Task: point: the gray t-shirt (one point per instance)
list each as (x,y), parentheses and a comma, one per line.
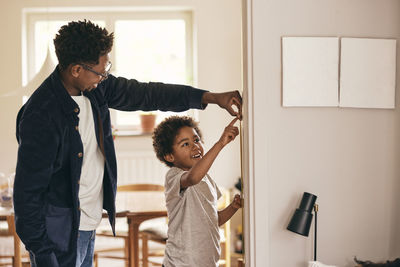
(193,232)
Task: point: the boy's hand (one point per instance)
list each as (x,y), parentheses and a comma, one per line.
(237,202)
(226,100)
(229,133)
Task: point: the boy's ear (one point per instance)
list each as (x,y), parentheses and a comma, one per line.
(169,158)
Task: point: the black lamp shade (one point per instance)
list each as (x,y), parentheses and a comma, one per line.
(302,217)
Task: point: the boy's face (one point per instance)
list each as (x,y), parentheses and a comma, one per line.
(187,149)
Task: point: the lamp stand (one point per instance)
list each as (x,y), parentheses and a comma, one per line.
(315,232)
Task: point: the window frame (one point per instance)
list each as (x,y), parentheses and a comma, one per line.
(109,15)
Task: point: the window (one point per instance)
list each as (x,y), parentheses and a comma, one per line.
(148,46)
(150,50)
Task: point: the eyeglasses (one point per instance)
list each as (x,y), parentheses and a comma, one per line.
(103,75)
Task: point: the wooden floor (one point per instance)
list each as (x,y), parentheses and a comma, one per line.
(116,263)
(119,263)
(102,242)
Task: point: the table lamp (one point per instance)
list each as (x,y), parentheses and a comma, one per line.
(302,218)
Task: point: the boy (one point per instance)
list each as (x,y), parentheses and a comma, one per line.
(191,194)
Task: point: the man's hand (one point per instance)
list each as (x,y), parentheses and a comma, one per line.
(229,134)
(225,100)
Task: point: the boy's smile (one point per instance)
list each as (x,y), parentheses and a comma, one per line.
(187,149)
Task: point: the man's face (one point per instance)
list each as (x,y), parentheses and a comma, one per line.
(187,148)
(92,75)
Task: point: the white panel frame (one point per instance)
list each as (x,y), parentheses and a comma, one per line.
(310,69)
(368,73)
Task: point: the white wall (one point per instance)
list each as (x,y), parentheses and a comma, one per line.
(348,157)
(218,52)
(10,48)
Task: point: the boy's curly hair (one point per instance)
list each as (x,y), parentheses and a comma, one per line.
(82,42)
(165,133)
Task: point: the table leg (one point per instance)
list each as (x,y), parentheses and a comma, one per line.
(130,242)
(133,235)
(136,244)
(17,252)
(17,242)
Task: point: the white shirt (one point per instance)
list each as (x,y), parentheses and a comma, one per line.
(91,180)
(193,232)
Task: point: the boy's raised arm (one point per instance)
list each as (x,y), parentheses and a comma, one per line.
(200,169)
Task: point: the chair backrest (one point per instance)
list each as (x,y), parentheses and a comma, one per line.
(140,197)
(140,188)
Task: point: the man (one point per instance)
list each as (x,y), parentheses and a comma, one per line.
(66,169)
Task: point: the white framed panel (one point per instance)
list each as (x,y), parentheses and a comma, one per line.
(367,73)
(310,67)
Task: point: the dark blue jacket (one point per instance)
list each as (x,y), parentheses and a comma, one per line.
(50,157)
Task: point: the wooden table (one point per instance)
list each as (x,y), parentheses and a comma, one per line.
(134,220)
(8,215)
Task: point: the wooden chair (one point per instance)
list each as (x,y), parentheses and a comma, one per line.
(154,230)
(225,232)
(6,259)
(225,259)
(12,254)
(136,197)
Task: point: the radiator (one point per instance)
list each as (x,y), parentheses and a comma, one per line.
(140,167)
